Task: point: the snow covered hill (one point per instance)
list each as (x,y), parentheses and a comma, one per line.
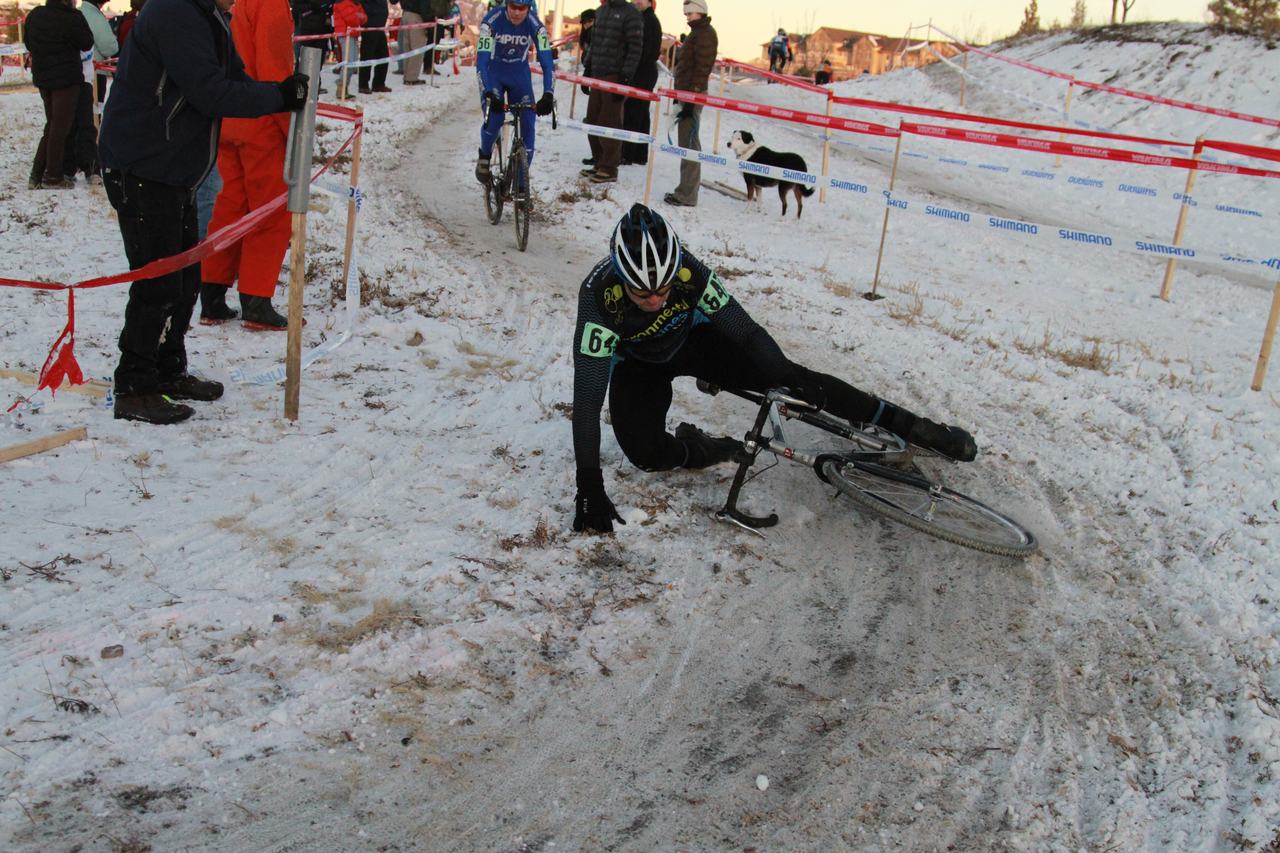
(372,629)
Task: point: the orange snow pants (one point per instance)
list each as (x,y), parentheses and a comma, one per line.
(252,175)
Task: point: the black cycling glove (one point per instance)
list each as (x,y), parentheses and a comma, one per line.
(594,511)
(494,100)
(294,91)
(545,104)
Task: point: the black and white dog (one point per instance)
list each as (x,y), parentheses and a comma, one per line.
(745,147)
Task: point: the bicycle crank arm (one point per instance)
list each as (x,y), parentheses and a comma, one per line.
(749,523)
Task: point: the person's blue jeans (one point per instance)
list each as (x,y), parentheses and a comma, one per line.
(206,195)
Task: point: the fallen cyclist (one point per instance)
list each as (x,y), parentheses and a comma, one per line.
(650,312)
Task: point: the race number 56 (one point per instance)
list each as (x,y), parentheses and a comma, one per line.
(597,341)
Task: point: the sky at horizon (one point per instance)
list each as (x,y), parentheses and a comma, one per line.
(743,25)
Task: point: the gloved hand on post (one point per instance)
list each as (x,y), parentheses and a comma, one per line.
(293,90)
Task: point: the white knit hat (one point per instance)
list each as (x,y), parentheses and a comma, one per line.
(699,6)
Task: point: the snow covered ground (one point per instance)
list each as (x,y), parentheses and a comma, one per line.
(372,629)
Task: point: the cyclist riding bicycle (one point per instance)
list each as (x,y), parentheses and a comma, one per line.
(650,312)
(502,61)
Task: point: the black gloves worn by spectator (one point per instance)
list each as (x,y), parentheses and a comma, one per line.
(294,91)
(684,112)
(545,104)
(586,90)
(594,509)
(494,102)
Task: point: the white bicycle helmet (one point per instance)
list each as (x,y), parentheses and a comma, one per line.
(646,251)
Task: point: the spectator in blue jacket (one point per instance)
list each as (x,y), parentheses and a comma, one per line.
(178,77)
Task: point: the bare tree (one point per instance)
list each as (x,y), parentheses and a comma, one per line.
(1128,4)
(1077,15)
(1114,4)
(1255,16)
(1030,19)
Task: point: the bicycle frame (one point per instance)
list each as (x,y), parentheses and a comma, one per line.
(776,408)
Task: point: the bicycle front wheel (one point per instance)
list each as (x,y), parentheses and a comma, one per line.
(520,195)
(910,499)
(493,189)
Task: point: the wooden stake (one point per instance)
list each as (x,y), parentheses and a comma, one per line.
(90,388)
(826,153)
(351,205)
(1264,355)
(964,77)
(1167,285)
(40,445)
(884,229)
(715,138)
(348,45)
(293,352)
(653,150)
(431,54)
(1066,116)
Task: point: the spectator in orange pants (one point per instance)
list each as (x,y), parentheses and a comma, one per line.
(251,162)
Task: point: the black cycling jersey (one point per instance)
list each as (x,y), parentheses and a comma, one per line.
(612,328)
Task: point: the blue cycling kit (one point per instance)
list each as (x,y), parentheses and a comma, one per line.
(502,61)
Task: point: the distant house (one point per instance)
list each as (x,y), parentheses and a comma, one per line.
(853,53)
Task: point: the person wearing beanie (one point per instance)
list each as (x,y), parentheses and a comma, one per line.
(693,73)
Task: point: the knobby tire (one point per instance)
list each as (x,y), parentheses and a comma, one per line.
(522,200)
(493,189)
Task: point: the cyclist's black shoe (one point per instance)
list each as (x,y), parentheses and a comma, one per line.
(704,450)
(949,441)
(151,409)
(184,386)
(482,169)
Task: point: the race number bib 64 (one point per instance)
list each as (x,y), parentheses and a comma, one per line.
(714,296)
(597,341)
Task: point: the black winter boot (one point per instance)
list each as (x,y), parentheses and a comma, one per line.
(184,386)
(704,450)
(214,309)
(260,316)
(151,409)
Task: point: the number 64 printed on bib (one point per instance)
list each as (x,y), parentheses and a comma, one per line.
(598,341)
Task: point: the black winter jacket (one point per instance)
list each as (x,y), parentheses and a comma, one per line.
(616,41)
(314,18)
(377,11)
(646,76)
(55,35)
(178,77)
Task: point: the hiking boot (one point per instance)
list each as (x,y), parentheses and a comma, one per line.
(214,310)
(150,409)
(604,178)
(381,90)
(56,184)
(587,172)
(589,161)
(260,316)
(184,386)
(951,442)
(704,450)
(482,169)
(33,183)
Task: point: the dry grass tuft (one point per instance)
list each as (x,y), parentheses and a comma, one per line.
(386,616)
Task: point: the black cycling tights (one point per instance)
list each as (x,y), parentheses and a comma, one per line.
(640,395)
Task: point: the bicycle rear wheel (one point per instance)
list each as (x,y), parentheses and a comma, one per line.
(493,189)
(910,499)
(522,200)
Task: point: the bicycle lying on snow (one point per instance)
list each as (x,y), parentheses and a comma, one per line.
(874,468)
(509,181)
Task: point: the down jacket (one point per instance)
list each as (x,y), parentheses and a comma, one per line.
(55,35)
(616,41)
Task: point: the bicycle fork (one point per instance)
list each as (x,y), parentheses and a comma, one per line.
(752,444)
